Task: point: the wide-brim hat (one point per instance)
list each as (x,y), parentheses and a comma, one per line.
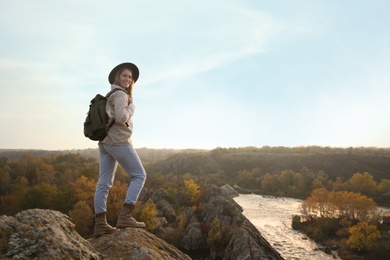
(129,65)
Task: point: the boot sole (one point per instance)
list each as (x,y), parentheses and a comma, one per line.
(124,227)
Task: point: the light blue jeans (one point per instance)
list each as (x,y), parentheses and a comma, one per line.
(127,157)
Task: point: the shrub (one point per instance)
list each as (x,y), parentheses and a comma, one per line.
(220,234)
(81,215)
(316,233)
(297,224)
(363,236)
(147,213)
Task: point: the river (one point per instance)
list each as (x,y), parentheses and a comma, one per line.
(272,216)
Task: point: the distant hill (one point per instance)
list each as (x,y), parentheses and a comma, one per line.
(147,154)
(336,162)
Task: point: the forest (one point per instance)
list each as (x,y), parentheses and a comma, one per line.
(66,180)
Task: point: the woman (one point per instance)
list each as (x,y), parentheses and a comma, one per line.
(117,148)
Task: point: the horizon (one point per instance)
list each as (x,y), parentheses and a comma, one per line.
(212,74)
(218,147)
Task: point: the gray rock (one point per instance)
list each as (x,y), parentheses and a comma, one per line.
(166,210)
(137,244)
(247,243)
(194,238)
(49,234)
(238,238)
(42,234)
(228,190)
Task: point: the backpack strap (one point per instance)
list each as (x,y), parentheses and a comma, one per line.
(114,90)
(108,95)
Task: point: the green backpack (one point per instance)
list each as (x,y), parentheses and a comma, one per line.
(96,124)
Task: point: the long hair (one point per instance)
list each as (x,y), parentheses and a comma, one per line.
(116,81)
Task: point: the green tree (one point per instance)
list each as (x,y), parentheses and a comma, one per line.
(18,192)
(171,194)
(384,186)
(286,181)
(246,179)
(27,167)
(320,180)
(41,196)
(45,173)
(5,181)
(298,188)
(338,185)
(308,177)
(363,236)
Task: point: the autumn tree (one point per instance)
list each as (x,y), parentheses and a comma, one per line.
(84,189)
(192,191)
(363,236)
(115,200)
(270,183)
(318,204)
(147,212)
(323,203)
(81,215)
(363,183)
(219,235)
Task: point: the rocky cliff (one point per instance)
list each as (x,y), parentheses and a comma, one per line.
(48,234)
(217,225)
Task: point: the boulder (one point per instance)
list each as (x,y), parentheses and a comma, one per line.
(42,234)
(136,243)
(229,191)
(166,210)
(241,190)
(195,239)
(49,234)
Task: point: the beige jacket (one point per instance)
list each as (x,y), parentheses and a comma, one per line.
(120,109)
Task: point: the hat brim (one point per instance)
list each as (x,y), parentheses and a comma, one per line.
(134,69)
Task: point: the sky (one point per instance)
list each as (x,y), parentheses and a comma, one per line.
(219,73)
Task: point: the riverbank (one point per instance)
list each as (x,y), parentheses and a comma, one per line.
(272,216)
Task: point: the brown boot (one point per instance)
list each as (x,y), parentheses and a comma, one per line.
(101,225)
(125,219)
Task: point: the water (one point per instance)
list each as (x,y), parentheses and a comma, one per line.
(272,216)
